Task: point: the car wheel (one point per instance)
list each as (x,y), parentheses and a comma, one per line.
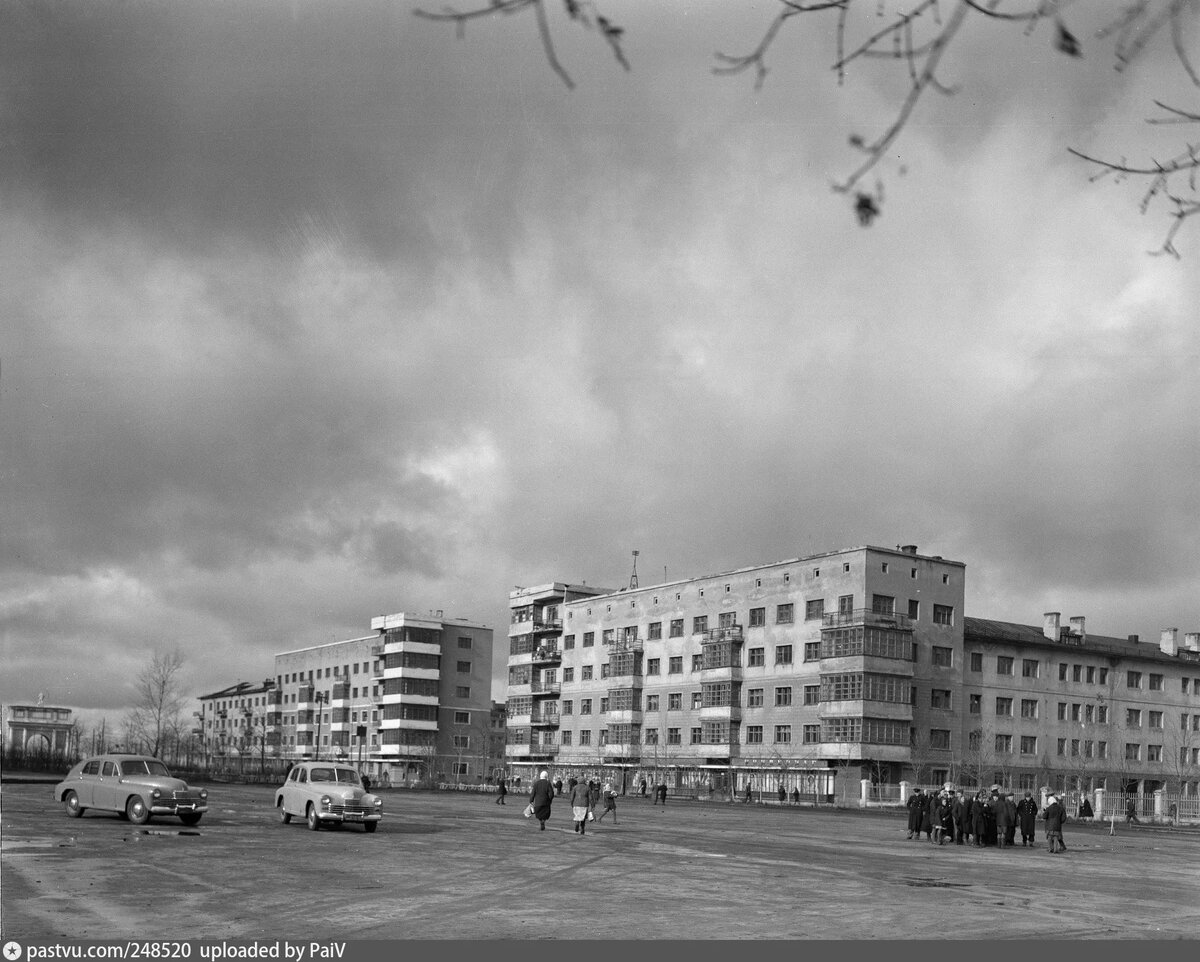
(369,827)
(192,818)
(284,815)
(311,815)
(137,810)
(71,804)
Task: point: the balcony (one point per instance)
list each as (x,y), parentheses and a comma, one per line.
(730,633)
(631,751)
(868,617)
(540,627)
(544,718)
(545,687)
(546,655)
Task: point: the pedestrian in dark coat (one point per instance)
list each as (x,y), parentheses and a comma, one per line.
(643,788)
(1027,809)
(1085,809)
(558,785)
(944,829)
(501,791)
(608,793)
(580,798)
(1055,816)
(928,814)
(662,793)
(1004,820)
(979,818)
(593,795)
(958,811)
(914,803)
(541,797)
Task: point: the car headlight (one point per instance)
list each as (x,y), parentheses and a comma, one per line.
(204,793)
(379,803)
(156,794)
(326,800)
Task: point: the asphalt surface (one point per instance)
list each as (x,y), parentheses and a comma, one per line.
(458,866)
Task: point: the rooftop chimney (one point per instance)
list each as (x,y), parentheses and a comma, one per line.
(1051,624)
(1191,640)
(1134,639)
(909,549)
(1169,643)
(1077,627)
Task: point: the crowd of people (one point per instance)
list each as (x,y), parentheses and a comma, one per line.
(985,818)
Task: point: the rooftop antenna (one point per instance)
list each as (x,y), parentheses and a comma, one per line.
(633,577)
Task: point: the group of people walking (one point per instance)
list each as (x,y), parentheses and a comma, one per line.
(584,796)
(983,819)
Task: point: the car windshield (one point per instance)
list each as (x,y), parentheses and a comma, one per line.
(345,775)
(142,766)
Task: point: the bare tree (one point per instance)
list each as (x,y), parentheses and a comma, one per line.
(158,702)
(913,36)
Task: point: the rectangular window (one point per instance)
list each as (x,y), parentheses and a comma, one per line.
(1029,708)
(914,610)
(585,673)
(654,630)
(783,734)
(566,737)
(464,668)
(1154,753)
(756,658)
(1102,749)
(943,615)
(675,701)
(676,627)
(568,675)
(783,614)
(1154,719)
(758,617)
(651,736)
(1133,752)
(585,706)
(783,697)
(675,665)
(812,651)
(1133,718)
(1133,679)
(1091,674)
(754,734)
(461,718)
(1004,744)
(673,737)
(1029,668)
(462,691)
(568,706)
(1076,712)
(939,698)
(1101,714)
(977,661)
(1028,744)
(568,642)
(1156,682)
(585,738)
(813,610)
(696,735)
(700,625)
(754,698)
(939,738)
(604,670)
(652,665)
(1103,679)
(812,694)
(942,657)
(1004,707)
(1062,747)
(609,636)
(1004,665)
(812,734)
(652,703)
(603,704)
(975,704)
(783,654)
(1077,673)
(697,662)
(697,700)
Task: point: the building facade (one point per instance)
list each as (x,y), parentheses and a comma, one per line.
(239,726)
(409,703)
(775,675)
(1057,706)
(850,665)
(40,730)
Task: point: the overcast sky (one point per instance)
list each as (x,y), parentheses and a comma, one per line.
(312,312)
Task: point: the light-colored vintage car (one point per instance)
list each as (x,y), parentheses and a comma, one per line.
(134,786)
(327,793)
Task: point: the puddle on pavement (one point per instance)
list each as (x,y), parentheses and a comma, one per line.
(934,883)
(166,831)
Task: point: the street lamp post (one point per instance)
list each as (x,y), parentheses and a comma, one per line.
(321,698)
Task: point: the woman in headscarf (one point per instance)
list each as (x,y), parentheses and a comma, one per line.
(541,797)
(580,802)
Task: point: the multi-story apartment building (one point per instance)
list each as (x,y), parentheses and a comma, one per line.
(410,702)
(240,725)
(1057,706)
(778,673)
(856,664)
(534,653)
